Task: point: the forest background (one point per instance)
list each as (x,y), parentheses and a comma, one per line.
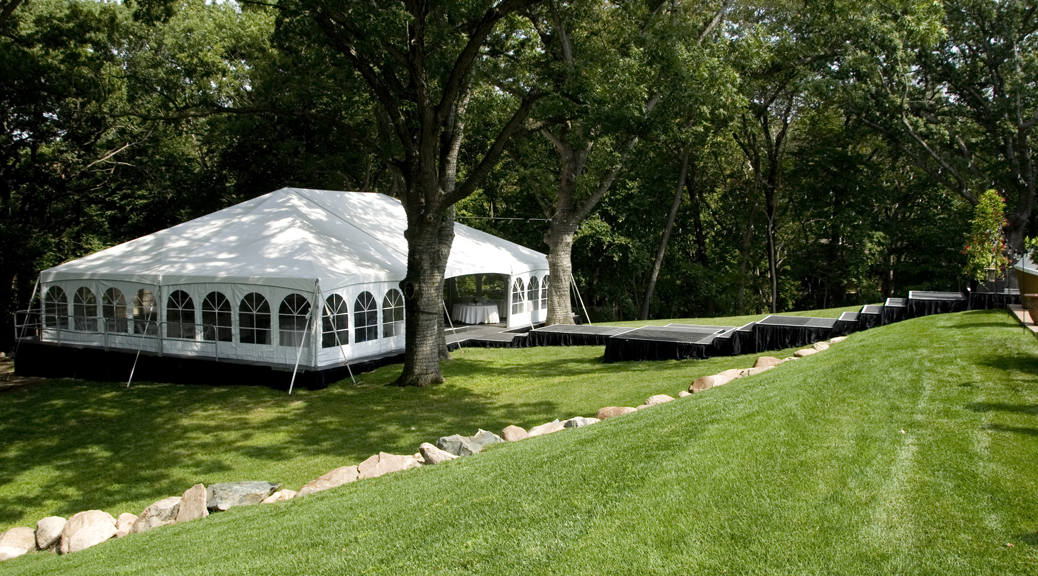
(696,158)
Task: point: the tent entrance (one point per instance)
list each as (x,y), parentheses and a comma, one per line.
(477,299)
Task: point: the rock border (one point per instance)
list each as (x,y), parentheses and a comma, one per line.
(92,527)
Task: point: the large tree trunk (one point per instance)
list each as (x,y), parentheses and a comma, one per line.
(666,235)
(560,266)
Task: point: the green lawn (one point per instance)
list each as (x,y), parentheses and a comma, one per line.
(909,449)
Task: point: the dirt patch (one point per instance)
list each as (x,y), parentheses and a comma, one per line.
(9,381)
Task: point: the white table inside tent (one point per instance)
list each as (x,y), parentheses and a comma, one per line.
(476,313)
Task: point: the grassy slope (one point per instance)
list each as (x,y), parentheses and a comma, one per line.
(908,449)
(72,445)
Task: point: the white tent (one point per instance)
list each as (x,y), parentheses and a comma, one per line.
(308,276)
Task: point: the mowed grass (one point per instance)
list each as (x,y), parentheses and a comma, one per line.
(69,445)
(909,449)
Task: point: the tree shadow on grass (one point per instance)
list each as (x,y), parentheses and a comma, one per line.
(1031,409)
(1013,429)
(72,445)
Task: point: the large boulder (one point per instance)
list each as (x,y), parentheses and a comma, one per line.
(658,399)
(613,411)
(579,422)
(765,361)
(193,504)
(334,479)
(434,455)
(124,524)
(48,532)
(383,463)
(467,445)
(549,428)
(714,380)
(820,346)
(228,495)
(158,514)
(86,529)
(805,352)
(24,538)
(514,434)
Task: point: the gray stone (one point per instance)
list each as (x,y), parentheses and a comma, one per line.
(684,394)
(765,361)
(434,455)
(383,463)
(24,538)
(467,445)
(86,529)
(805,352)
(514,434)
(580,422)
(458,445)
(658,399)
(228,495)
(124,524)
(8,552)
(193,504)
(158,514)
(820,346)
(549,428)
(613,411)
(48,532)
(755,371)
(335,478)
(837,340)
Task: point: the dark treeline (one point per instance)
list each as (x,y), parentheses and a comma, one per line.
(685,158)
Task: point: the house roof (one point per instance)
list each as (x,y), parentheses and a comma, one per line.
(290,238)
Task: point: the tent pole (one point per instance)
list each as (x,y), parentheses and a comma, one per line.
(147,323)
(299,353)
(335,331)
(458,342)
(29,309)
(577,290)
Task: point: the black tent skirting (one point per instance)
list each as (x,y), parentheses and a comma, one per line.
(620,349)
(50,361)
(779,337)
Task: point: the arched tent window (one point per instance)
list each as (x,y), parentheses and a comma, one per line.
(254,319)
(293,315)
(365,318)
(113,310)
(544,293)
(335,323)
(55,308)
(216,318)
(180,316)
(518,297)
(144,313)
(533,294)
(392,314)
(84,310)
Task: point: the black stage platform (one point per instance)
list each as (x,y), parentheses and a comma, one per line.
(981,300)
(847,323)
(871,316)
(895,310)
(673,342)
(779,332)
(924,303)
(568,335)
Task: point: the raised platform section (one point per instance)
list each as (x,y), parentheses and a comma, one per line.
(572,335)
(993,300)
(895,310)
(672,342)
(779,332)
(925,303)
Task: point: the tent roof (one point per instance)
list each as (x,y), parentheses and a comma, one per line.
(290,238)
